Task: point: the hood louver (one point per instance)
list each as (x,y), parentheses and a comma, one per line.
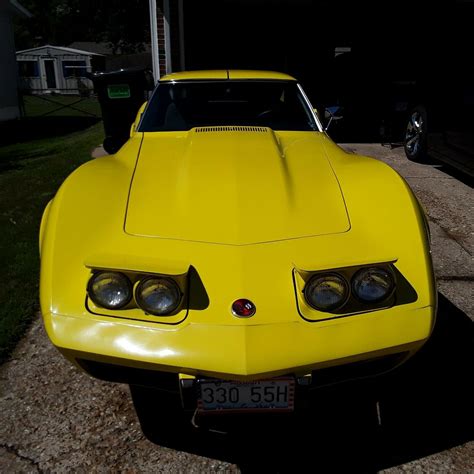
(230,129)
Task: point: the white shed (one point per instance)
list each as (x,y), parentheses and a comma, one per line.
(48,68)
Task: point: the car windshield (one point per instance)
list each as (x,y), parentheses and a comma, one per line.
(181,106)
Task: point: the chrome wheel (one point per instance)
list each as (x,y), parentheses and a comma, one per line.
(414,135)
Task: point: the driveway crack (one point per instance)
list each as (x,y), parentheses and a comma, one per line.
(469,278)
(449,234)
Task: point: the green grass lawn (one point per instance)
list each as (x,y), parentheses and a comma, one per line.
(54,105)
(30,174)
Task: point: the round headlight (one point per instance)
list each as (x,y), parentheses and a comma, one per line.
(326,292)
(159,296)
(110,290)
(373,284)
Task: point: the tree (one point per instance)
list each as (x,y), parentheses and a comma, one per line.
(122,23)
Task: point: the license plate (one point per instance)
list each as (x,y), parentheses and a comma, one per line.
(276,395)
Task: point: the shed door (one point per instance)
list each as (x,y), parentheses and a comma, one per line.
(50,73)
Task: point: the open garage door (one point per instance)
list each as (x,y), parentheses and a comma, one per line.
(278,35)
(300,37)
(372,58)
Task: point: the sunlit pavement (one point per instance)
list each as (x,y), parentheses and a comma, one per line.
(53,418)
(440,422)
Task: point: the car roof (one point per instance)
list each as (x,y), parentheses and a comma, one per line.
(226,74)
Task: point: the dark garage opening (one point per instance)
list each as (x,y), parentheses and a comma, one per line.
(363,56)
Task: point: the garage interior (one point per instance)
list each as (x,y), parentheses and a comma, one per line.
(351,54)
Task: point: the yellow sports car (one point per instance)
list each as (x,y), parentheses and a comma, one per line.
(231,254)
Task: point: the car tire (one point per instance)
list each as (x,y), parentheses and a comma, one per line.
(161,416)
(416,135)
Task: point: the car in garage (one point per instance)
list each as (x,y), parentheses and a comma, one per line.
(429,99)
(231,256)
(440,119)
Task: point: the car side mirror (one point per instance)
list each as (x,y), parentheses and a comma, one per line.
(333,113)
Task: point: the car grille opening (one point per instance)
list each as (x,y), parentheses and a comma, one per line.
(166,381)
(357,370)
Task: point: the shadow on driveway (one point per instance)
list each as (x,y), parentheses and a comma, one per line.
(425,407)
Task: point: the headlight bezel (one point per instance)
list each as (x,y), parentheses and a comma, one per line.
(132,311)
(352,304)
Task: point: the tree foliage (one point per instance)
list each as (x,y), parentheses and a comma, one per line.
(122,23)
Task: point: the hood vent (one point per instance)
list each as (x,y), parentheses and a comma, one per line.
(230,129)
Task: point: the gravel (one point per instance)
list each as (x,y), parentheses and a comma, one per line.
(54,418)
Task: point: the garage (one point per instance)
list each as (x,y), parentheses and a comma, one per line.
(363,56)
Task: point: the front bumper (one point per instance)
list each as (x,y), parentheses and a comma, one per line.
(241,352)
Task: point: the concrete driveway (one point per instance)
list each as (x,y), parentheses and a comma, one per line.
(53,418)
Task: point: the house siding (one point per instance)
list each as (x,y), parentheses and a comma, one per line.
(9,108)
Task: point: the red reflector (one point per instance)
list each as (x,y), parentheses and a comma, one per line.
(243,308)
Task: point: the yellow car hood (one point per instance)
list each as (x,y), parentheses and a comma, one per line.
(234,185)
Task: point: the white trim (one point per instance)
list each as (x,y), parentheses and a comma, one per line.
(155,49)
(311,108)
(166,25)
(181,35)
(88,63)
(60,48)
(44,76)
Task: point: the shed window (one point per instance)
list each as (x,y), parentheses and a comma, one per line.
(28,68)
(74,69)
